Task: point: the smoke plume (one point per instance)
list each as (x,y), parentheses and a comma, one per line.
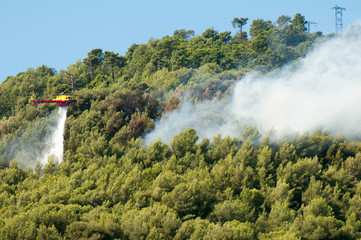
(321,91)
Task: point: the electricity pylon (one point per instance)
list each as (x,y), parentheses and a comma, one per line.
(338,19)
(309,26)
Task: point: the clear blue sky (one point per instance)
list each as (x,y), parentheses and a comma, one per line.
(57,33)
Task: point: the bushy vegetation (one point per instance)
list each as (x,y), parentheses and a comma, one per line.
(110,186)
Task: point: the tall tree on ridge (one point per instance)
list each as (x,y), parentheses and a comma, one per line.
(113,61)
(239,23)
(94,59)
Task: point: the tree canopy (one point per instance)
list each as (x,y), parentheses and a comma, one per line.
(111,186)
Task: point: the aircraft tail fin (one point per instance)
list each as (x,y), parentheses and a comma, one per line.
(34,102)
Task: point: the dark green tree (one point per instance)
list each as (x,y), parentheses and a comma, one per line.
(239,23)
(113,62)
(210,33)
(260,26)
(183,34)
(184,142)
(94,59)
(299,22)
(283,20)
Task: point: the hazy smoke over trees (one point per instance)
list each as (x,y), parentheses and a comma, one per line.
(321,91)
(39,141)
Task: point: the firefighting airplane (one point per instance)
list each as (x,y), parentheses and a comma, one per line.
(62,100)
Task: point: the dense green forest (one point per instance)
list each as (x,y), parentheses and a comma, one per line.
(110,186)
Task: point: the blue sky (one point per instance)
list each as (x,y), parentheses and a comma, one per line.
(58,33)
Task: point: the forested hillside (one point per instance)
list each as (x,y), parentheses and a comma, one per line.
(111,186)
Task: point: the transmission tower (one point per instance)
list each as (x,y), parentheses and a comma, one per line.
(309,26)
(338,19)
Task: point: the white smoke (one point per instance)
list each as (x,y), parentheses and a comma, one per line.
(322,91)
(55,142)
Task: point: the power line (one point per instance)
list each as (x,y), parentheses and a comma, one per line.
(338,19)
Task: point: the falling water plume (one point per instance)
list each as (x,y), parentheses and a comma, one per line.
(56,139)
